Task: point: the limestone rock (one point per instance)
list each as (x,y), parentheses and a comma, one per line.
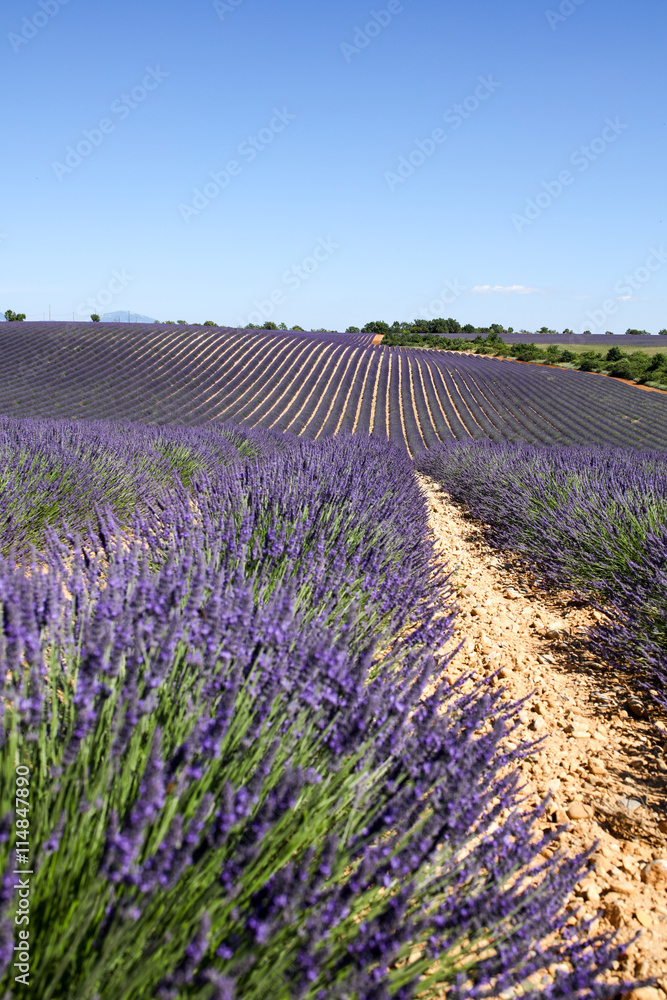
(655,874)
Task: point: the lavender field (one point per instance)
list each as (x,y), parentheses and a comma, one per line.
(215,661)
(244,771)
(313,386)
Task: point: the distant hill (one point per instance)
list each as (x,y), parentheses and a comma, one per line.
(127,317)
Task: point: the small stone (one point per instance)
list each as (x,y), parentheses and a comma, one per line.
(593,894)
(577,810)
(477,611)
(596,766)
(636,708)
(630,805)
(576,727)
(643,993)
(614,914)
(662,826)
(511,594)
(553,632)
(538,724)
(623,888)
(643,917)
(655,873)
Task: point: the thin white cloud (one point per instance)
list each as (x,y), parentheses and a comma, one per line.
(506,290)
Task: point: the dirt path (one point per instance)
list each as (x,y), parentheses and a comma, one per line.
(605,766)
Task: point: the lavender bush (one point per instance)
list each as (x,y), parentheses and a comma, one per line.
(587,518)
(239,786)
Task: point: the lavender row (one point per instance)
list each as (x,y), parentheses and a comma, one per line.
(587,518)
(232,793)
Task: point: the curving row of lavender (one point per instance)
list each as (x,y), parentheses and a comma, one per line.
(590,519)
(213,693)
(313,385)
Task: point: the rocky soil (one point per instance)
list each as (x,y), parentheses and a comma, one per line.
(603,754)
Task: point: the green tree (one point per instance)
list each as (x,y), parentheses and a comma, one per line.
(589,361)
(636,333)
(209,322)
(376,326)
(269,325)
(614,354)
(353,329)
(182,322)
(662,333)
(95,318)
(13,317)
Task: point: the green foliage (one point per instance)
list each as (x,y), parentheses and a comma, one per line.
(209,322)
(353,329)
(376,327)
(527,352)
(590,361)
(13,317)
(95,317)
(636,333)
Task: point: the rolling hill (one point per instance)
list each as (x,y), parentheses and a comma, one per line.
(314,385)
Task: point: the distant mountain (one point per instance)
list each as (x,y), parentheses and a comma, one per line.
(127,317)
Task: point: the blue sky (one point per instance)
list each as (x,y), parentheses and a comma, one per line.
(492,162)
